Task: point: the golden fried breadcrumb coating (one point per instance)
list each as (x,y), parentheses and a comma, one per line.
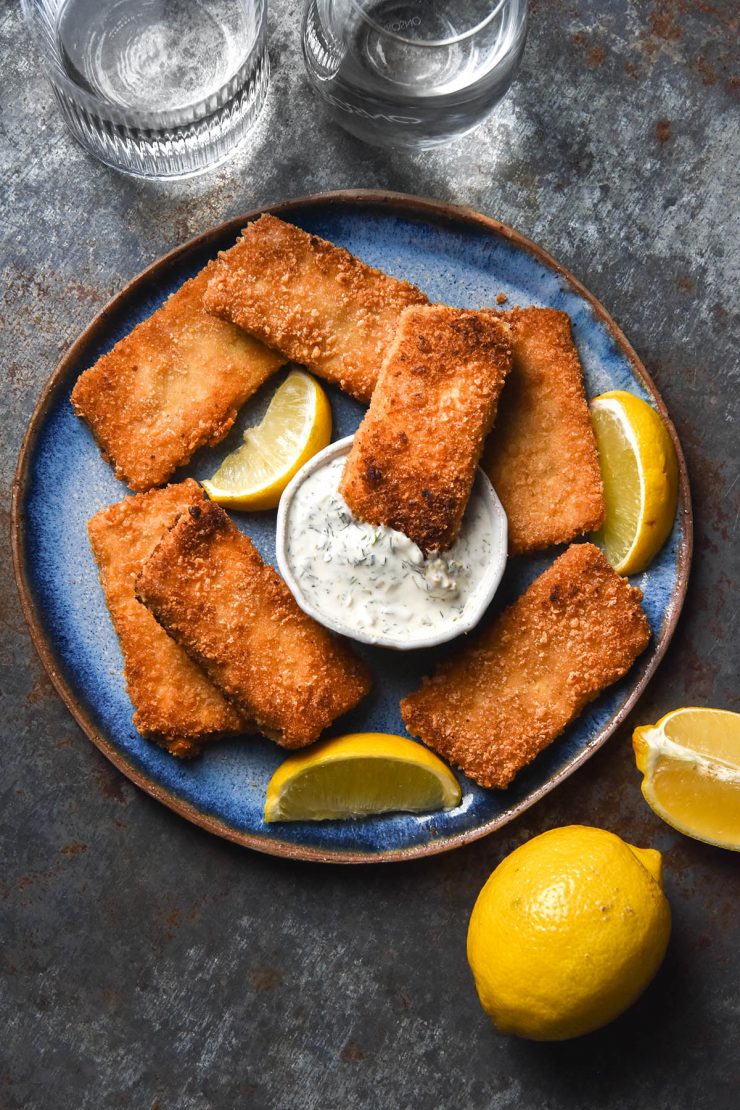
(576,630)
(175,703)
(208,587)
(173,385)
(541,455)
(413,460)
(314,302)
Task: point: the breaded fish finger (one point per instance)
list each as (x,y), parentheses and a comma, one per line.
(413,459)
(173,385)
(576,630)
(315,302)
(541,455)
(208,587)
(174,702)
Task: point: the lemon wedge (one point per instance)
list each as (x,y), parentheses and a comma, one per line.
(360,774)
(690,761)
(640,475)
(296,425)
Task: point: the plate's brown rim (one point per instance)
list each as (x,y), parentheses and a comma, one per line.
(415,207)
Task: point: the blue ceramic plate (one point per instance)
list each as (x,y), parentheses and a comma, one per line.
(454,255)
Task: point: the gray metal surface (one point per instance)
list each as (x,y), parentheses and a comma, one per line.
(147,964)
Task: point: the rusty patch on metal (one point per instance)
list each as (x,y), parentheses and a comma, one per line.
(265,978)
(110,783)
(351,1052)
(595,56)
(41,690)
(662,22)
(74,848)
(701,66)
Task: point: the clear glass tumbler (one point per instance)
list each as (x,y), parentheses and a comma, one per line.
(412,73)
(156,88)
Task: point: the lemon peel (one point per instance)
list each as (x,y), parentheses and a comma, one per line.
(568,931)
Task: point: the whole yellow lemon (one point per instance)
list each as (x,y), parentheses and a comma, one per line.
(568,931)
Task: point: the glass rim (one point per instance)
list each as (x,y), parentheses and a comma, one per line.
(100,105)
(451,40)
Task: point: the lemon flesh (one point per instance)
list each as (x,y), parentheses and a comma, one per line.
(640,475)
(357,775)
(296,425)
(568,931)
(690,762)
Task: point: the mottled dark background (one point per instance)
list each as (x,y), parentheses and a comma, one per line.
(147,964)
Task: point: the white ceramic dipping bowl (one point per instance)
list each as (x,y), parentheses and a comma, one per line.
(479,603)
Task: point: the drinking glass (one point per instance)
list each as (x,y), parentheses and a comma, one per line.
(156,88)
(412,73)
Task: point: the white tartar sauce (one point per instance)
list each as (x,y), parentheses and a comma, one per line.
(374,579)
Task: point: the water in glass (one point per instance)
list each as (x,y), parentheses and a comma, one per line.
(412,72)
(155,87)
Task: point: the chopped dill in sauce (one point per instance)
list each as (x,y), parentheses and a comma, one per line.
(376,580)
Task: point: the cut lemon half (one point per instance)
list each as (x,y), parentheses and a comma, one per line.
(357,775)
(690,763)
(296,425)
(640,475)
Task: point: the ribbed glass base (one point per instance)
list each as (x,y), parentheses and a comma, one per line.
(155,90)
(184,151)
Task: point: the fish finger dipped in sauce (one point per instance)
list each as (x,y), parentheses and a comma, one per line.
(414,457)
